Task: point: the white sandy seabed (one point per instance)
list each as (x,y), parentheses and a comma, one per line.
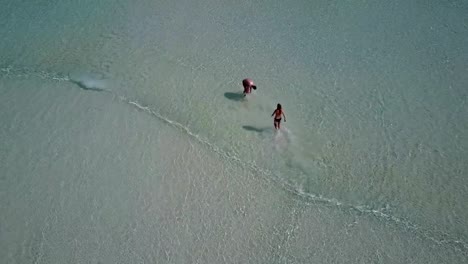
(123,138)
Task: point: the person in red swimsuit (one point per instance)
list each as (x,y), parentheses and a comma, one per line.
(278,113)
(248,86)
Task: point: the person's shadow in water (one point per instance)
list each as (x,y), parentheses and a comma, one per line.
(255,129)
(234,96)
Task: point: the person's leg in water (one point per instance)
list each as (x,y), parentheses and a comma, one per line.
(277,123)
(247,90)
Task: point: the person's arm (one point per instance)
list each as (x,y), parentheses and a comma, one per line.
(284,115)
(273,113)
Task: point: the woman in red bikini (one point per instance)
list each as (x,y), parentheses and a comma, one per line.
(278,113)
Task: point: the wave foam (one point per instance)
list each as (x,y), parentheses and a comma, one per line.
(91,83)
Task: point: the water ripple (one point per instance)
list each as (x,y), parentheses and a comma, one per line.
(437,237)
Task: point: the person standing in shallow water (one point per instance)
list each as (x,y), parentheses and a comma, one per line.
(278,113)
(248,86)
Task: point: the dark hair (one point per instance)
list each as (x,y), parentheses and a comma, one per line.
(278,106)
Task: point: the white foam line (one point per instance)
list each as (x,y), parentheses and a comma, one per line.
(10,71)
(457,244)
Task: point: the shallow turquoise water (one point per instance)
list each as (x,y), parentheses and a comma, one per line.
(123,141)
